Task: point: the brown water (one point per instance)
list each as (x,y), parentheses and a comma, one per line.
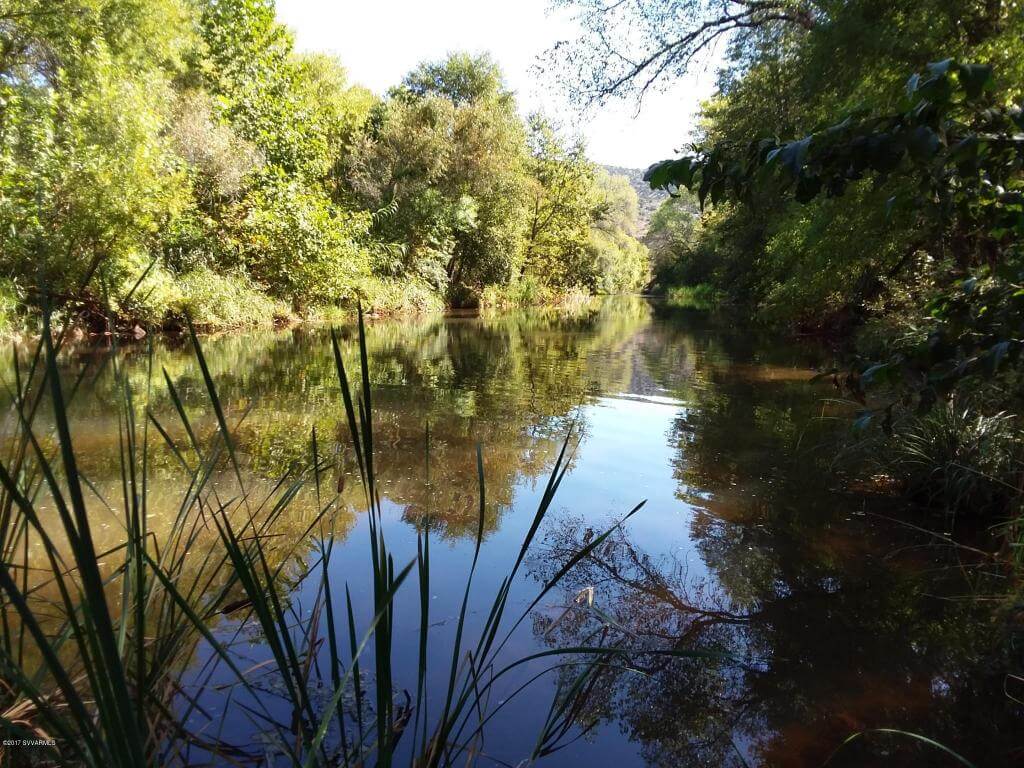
(841,620)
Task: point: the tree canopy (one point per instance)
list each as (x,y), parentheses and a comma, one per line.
(154,154)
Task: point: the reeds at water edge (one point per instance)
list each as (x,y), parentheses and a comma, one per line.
(116,664)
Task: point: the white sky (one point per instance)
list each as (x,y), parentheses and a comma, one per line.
(381,40)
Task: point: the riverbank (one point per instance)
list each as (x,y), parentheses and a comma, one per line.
(219,304)
(952,453)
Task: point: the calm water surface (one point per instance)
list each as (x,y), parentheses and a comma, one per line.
(839,620)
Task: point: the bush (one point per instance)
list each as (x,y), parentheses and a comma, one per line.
(146,294)
(303,248)
(527,291)
(383,296)
(825,259)
(214,300)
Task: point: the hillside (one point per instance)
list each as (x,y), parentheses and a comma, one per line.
(650,199)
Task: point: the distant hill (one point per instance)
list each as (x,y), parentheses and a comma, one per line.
(650,199)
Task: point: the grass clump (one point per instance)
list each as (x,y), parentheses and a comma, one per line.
(528,291)
(957,459)
(10,302)
(701,296)
(215,300)
(389,296)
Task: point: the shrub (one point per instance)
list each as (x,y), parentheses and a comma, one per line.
(146,293)
(302,247)
(527,291)
(702,296)
(384,296)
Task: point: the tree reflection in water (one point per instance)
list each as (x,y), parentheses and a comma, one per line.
(813,660)
(836,621)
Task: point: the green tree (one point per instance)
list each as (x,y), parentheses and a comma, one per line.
(461,78)
(890,213)
(564,202)
(792,66)
(443,164)
(87,175)
(621,263)
(187,143)
(265,156)
(582,224)
(671,237)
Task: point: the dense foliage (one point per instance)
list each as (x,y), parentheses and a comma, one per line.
(167,157)
(964,157)
(828,193)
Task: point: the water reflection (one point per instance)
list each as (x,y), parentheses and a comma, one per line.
(828,654)
(512,383)
(834,621)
